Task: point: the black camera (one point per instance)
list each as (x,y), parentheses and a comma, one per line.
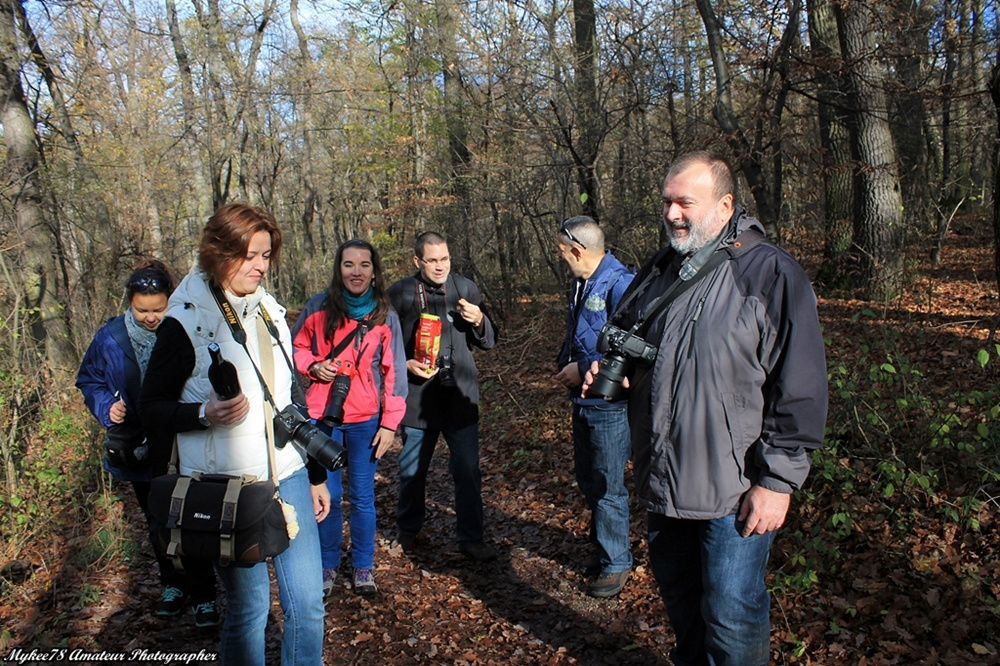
(622,350)
(292,425)
(446,374)
(338,392)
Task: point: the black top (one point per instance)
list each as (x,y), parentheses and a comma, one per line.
(429,405)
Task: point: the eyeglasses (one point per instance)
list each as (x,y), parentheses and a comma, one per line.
(436,262)
(564,230)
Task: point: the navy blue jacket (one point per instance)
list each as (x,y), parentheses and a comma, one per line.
(109,368)
(584,322)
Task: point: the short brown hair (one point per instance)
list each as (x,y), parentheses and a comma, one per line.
(226,238)
(425,239)
(722,170)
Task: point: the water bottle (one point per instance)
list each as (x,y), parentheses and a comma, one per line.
(222,375)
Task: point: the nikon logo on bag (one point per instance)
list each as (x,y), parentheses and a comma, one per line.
(202,516)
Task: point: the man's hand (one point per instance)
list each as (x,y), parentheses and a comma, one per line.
(569,376)
(383,441)
(763,510)
(226,412)
(470,312)
(117,411)
(425,370)
(321,501)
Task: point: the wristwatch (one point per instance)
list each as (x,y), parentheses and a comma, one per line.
(202,417)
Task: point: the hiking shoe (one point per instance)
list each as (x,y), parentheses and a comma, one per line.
(608,584)
(592,565)
(477,551)
(329,580)
(408,542)
(364,584)
(172,602)
(206,614)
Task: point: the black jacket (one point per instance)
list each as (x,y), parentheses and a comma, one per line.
(429,405)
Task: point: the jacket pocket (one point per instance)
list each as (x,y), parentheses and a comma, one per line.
(734,405)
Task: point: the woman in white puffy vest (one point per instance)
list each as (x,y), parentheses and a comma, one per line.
(229,436)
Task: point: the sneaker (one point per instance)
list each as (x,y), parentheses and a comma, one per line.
(608,584)
(206,614)
(172,602)
(364,584)
(329,580)
(477,551)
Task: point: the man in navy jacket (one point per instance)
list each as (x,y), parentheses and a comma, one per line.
(600,427)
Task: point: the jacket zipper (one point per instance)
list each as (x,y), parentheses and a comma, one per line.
(694,325)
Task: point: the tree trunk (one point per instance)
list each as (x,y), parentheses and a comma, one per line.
(751,157)
(995,94)
(460,220)
(38,262)
(835,139)
(586,148)
(311,199)
(877,201)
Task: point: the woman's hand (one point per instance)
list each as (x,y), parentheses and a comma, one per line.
(323,371)
(321,501)
(117,412)
(384,439)
(226,412)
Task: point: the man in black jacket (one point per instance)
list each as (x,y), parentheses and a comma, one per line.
(725,413)
(443,399)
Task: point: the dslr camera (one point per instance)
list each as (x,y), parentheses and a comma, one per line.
(622,350)
(446,373)
(293,425)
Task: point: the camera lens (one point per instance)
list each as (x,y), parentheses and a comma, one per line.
(608,382)
(338,394)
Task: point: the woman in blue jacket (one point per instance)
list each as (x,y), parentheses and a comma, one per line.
(110,378)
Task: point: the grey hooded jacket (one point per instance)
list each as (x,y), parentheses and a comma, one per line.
(737,395)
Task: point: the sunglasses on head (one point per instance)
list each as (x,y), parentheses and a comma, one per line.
(564,230)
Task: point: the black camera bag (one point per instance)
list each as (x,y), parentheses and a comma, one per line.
(121,443)
(218,517)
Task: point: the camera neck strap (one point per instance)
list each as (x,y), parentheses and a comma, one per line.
(265,329)
(701,263)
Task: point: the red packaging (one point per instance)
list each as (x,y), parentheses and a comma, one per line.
(428,341)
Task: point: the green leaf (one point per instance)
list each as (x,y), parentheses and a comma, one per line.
(887,367)
(983,357)
(583,197)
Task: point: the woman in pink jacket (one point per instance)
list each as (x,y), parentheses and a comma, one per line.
(348,341)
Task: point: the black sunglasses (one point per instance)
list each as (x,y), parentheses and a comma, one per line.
(147,283)
(564,229)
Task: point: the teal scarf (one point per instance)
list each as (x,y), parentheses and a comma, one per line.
(359,307)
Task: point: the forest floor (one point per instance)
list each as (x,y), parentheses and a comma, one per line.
(923,592)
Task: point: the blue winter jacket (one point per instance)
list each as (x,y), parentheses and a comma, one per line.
(584,322)
(108,369)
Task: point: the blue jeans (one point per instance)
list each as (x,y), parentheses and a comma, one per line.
(711,580)
(361,465)
(463,462)
(601,450)
(300,584)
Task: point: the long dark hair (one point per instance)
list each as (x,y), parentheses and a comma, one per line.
(336,313)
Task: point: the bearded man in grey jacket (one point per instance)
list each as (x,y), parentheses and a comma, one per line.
(724,417)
